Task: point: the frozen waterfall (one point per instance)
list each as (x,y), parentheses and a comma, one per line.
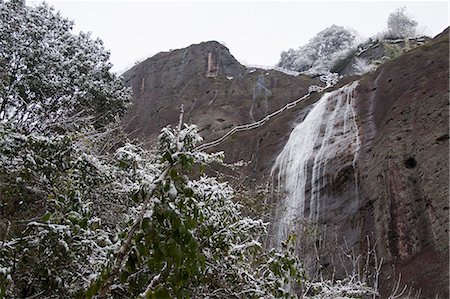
(303,169)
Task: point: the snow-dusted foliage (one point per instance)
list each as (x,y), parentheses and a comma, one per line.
(189,238)
(340,289)
(400,24)
(288,58)
(62,244)
(175,237)
(55,89)
(58,100)
(50,77)
(362,66)
(317,55)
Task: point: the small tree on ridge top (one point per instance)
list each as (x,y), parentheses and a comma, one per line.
(401,25)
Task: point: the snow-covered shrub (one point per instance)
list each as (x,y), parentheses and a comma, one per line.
(317,55)
(347,288)
(393,51)
(400,25)
(362,66)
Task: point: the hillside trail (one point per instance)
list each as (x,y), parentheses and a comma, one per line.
(329,80)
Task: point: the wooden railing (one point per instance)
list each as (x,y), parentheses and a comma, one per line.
(330,80)
(315,88)
(275,68)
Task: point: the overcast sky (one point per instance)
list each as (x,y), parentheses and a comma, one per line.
(255,31)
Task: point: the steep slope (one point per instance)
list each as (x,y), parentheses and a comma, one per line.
(376,53)
(404,118)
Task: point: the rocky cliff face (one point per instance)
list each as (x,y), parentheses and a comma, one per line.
(388,180)
(217,92)
(403,113)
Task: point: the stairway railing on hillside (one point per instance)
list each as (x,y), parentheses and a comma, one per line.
(275,68)
(314,88)
(330,80)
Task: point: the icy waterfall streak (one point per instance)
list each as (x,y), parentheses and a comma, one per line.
(328,131)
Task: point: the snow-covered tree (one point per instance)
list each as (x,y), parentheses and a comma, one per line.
(58,104)
(50,77)
(400,24)
(287,58)
(317,55)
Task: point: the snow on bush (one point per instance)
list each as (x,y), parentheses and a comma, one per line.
(362,66)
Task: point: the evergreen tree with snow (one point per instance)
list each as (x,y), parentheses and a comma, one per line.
(51,79)
(317,55)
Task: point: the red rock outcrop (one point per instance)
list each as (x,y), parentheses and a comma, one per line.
(404,170)
(216,90)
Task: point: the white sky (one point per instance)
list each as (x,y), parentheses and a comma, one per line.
(255,31)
